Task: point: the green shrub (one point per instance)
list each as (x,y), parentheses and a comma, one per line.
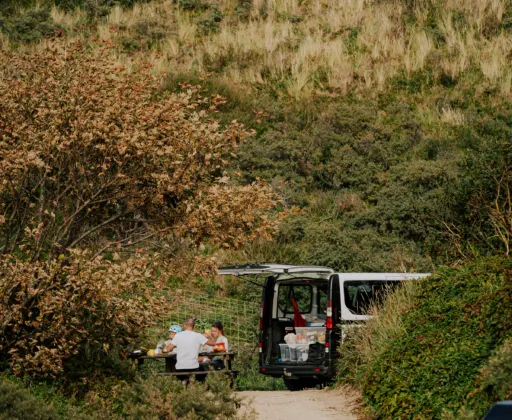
(165,398)
(249,377)
(210,23)
(477,207)
(18,403)
(243,9)
(432,364)
(150,31)
(30,26)
(496,377)
(192,4)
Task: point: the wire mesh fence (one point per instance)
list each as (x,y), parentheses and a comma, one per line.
(239,318)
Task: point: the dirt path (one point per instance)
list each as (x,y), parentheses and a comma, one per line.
(313,404)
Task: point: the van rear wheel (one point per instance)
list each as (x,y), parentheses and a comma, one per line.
(294,384)
(300,384)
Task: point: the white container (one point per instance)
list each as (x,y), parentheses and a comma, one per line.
(310,335)
(299,352)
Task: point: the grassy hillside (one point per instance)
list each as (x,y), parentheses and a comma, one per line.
(385,128)
(363,112)
(444,351)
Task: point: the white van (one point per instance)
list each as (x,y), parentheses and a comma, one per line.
(315,305)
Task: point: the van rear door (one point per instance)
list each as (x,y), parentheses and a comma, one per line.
(264,342)
(333,332)
(277,272)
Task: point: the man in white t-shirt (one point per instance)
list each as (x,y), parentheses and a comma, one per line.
(188,345)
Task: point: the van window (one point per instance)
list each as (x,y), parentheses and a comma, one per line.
(360,295)
(322,295)
(301,293)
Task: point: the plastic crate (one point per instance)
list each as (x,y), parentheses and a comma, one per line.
(310,335)
(299,352)
(285,352)
(294,352)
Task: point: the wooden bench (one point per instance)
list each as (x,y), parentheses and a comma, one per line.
(170,364)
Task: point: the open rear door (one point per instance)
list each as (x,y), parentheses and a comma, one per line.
(277,270)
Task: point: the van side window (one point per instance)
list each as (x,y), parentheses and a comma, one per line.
(302,293)
(361,295)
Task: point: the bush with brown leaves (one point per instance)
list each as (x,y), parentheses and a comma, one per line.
(96,161)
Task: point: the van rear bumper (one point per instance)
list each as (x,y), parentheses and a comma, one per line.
(295,372)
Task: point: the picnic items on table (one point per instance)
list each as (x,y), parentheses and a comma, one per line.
(160,347)
(219,348)
(135,354)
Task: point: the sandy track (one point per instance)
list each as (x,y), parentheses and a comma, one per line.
(313,404)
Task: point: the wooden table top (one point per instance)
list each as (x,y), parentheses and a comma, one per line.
(167,355)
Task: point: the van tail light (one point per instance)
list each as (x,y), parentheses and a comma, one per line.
(262,313)
(260,345)
(328,321)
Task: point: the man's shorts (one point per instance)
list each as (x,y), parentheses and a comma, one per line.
(185,377)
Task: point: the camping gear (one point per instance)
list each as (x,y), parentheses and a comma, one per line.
(298,319)
(316,353)
(290,338)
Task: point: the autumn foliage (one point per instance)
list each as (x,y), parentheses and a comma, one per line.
(105,181)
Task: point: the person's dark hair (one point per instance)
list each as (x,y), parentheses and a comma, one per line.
(219,326)
(189,322)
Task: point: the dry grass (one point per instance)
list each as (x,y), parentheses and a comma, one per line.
(494,58)
(332,46)
(66,20)
(379,331)
(452,116)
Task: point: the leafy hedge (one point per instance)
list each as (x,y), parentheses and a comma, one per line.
(440,363)
(18,403)
(31,26)
(152,398)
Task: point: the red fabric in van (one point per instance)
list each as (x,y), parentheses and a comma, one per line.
(298,320)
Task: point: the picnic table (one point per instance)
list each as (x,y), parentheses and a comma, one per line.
(170,363)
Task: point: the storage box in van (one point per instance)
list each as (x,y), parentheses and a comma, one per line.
(317,306)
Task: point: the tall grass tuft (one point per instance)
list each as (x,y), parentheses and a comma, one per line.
(298,49)
(364,344)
